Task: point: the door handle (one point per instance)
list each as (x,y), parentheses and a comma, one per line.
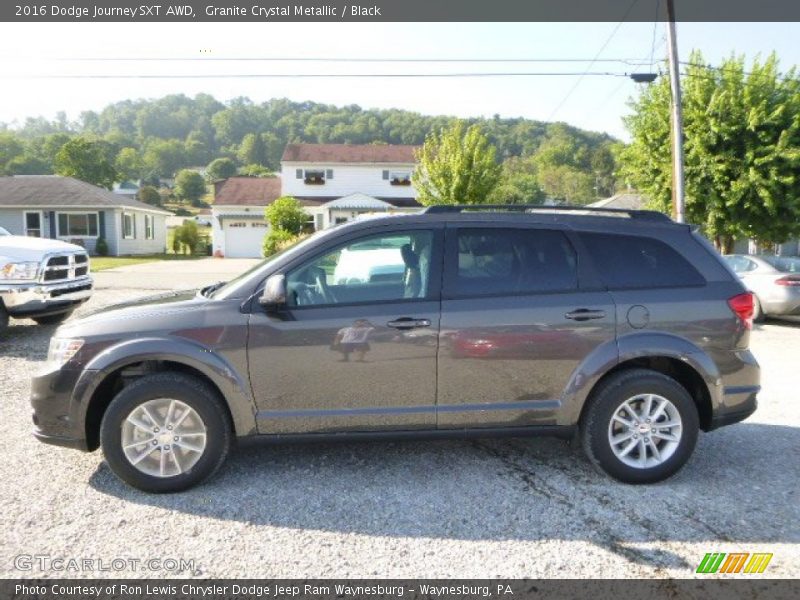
(408,323)
(585,314)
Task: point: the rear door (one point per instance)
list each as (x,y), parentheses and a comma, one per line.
(519,314)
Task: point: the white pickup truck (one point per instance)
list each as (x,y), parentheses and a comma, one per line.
(41,279)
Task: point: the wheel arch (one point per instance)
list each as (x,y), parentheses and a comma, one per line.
(668,354)
(115,367)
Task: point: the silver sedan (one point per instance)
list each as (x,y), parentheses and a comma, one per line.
(774,280)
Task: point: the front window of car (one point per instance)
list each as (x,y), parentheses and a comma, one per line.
(784,264)
(380,268)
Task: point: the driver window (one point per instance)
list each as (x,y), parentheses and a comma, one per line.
(380,268)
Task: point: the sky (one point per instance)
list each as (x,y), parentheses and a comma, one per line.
(32,53)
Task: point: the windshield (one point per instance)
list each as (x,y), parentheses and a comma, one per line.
(245,284)
(784,264)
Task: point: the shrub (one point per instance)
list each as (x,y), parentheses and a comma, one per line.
(101,247)
(276,240)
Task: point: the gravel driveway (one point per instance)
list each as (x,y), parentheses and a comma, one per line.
(510,508)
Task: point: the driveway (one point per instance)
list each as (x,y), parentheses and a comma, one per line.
(490,508)
(170,275)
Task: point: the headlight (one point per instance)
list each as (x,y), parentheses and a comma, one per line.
(19,270)
(62,350)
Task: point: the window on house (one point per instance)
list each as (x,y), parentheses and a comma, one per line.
(149,227)
(298,173)
(33,224)
(385,174)
(329,174)
(77,224)
(315,176)
(400,177)
(128,226)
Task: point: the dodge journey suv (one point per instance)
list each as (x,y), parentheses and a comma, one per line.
(621,328)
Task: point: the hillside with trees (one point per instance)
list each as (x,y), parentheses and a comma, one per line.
(154,139)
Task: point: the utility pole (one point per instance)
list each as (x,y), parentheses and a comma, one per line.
(678,200)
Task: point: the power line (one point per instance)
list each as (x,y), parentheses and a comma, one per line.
(629,61)
(322,75)
(593,61)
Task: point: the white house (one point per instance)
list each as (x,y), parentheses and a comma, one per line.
(64,208)
(333,182)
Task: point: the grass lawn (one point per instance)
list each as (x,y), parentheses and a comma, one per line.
(101,263)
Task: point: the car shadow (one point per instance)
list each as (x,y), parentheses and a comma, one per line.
(735,489)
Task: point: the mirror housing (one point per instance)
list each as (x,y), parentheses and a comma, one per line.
(274,295)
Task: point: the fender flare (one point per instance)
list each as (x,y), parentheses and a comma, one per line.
(235,390)
(628,347)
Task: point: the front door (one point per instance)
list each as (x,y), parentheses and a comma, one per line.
(356,347)
(517,321)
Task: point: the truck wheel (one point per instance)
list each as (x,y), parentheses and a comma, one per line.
(53,319)
(640,426)
(165,432)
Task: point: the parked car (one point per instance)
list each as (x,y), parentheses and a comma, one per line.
(41,279)
(634,337)
(774,281)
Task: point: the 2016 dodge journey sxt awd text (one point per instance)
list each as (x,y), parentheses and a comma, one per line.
(620,327)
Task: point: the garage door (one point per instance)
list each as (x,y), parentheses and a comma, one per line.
(244,239)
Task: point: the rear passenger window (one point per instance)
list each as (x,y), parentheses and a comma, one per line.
(626,261)
(513,261)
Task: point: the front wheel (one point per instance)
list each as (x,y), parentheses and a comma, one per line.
(640,426)
(165,432)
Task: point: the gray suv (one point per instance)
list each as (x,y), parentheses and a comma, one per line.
(620,327)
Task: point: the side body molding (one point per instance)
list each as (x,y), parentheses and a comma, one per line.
(234,388)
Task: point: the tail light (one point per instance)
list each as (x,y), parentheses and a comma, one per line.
(790,280)
(742,306)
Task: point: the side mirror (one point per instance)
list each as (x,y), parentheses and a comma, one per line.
(274,296)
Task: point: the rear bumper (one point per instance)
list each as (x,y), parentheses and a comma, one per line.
(740,403)
(23,300)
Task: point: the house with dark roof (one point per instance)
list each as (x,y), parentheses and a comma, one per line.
(333,182)
(52,206)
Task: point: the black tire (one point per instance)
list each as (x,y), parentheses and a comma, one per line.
(189,390)
(3,316)
(53,319)
(604,402)
(758,312)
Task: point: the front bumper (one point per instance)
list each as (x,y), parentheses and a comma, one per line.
(55,416)
(26,299)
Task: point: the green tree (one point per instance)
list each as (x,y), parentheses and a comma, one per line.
(742,149)
(220,168)
(518,183)
(163,158)
(276,240)
(456,166)
(255,171)
(286,214)
(149,195)
(253,150)
(190,185)
(129,164)
(87,160)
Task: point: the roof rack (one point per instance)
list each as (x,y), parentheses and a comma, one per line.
(644,215)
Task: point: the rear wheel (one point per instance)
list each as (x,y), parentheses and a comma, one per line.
(640,426)
(165,433)
(53,319)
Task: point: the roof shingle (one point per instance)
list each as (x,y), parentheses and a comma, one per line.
(55,190)
(350,153)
